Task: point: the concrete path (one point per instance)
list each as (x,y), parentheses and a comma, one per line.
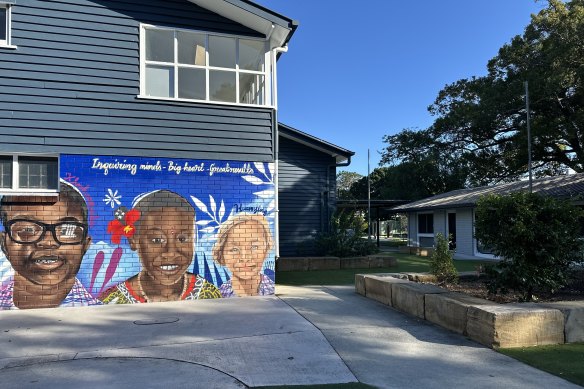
(248,342)
(389,349)
(229,343)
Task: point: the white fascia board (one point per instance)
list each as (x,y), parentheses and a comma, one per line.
(277,33)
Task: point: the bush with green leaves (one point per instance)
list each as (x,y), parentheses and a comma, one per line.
(442,263)
(536,237)
(344,237)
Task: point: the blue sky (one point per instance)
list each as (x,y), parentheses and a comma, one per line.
(357,70)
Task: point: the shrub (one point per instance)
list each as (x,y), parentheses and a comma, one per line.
(441,262)
(536,238)
(344,237)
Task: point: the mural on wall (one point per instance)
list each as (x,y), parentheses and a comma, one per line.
(43,243)
(129,230)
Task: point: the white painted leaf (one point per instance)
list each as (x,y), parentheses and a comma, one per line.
(260,167)
(272,206)
(272,167)
(213,205)
(200,204)
(221,210)
(208,230)
(203,222)
(265,194)
(253,180)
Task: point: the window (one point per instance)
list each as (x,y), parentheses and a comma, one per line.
(5,24)
(426,223)
(5,172)
(483,249)
(19,173)
(188,65)
(426,229)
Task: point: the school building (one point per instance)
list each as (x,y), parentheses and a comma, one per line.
(141,157)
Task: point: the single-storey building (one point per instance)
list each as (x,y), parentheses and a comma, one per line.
(453,213)
(141,157)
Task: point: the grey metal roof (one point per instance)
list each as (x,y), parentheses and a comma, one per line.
(564,187)
(335,151)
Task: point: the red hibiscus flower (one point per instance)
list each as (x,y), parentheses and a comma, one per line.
(118,229)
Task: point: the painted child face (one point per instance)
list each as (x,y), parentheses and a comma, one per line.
(33,250)
(245,250)
(164,241)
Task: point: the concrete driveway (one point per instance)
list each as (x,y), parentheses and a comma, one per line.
(307,335)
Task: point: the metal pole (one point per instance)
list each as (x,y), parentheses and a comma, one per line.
(377,225)
(528,137)
(368,197)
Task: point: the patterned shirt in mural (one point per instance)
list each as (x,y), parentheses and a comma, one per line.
(198,288)
(77,297)
(267,287)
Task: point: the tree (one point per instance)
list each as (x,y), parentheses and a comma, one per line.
(442,263)
(480,123)
(537,238)
(344,182)
(407,181)
(344,237)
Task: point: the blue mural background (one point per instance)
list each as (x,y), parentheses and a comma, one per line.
(215,189)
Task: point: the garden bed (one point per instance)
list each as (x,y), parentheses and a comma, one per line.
(485,321)
(476,287)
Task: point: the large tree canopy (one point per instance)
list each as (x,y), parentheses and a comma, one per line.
(344,182)
(406,181)
(480,126)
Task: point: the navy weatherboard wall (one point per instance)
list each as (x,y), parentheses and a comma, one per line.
(306,187)
(110,194)
(71,86)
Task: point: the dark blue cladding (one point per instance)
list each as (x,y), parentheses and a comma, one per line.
(307,182)
(71,86)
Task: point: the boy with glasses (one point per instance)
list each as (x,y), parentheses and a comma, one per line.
(44,241)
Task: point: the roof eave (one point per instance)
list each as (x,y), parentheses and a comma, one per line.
(340,154)
(406,209)
(277,27)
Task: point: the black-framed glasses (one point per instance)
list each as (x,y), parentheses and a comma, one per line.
(26,231)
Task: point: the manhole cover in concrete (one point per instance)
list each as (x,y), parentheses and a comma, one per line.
(162,320)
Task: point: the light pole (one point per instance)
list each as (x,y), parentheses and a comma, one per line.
(528,137)
(368,198)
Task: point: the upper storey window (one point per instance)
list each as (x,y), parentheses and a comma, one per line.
(179,64)
(4,24)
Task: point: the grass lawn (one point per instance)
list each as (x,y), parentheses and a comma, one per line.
(563,360)
(406,263)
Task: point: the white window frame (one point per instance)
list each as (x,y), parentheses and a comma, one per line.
(269,98)
(425,234)
(7,43)
(16,190)
(475,242)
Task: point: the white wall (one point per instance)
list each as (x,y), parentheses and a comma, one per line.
(440,223)
(413,229)
(464,231)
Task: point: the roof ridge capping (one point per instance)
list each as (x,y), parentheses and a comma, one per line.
(278,28)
